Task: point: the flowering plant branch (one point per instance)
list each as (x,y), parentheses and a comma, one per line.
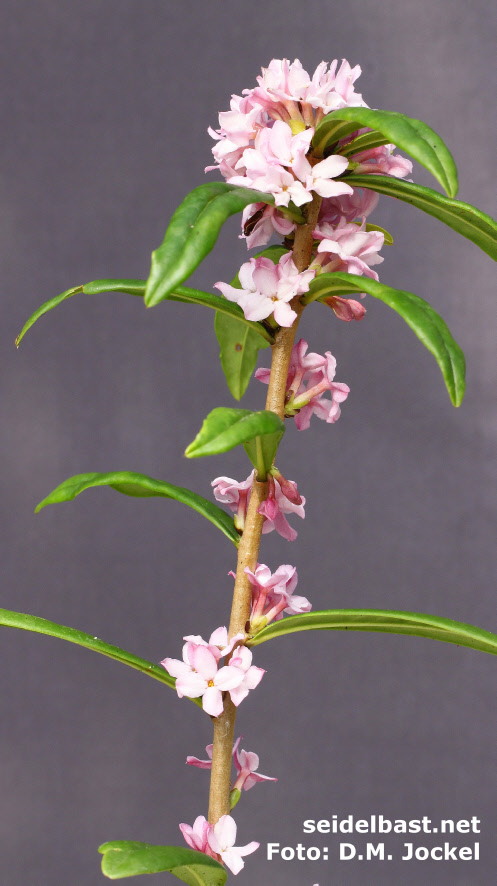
(304,159)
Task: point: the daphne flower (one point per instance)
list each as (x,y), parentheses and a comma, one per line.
(260,221)
(319,178)
(198,676)
(267,288)
(283,498)
(383,161)
(346,308)
(350,248)
(196,836)
(235,495)
(221,839)
(272,595)
(258,172)
(241,661)
(311,399)
(359,204)
(247,764)
(310,376)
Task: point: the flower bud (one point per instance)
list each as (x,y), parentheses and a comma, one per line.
(346,308)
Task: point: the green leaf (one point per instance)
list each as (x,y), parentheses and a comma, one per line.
(239,350)
(467,220)
(128,858)
(132,287)
(51,629)
(223,429)
(262,450)
(429,327)
(388,621)
(329,132)
(408,134)
(239,346)
(140,486)
(192,233)
(365,142)
(137,287)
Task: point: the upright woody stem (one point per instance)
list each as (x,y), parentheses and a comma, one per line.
(248,550)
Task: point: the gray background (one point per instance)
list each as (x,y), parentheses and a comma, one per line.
(104,113)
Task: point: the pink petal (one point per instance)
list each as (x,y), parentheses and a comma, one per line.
(283,314)
(204,662)
(175,668)
(228,677)
(212,701)
(254,676)
(192,685)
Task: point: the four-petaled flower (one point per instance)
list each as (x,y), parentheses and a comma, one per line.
(310,376)
(221,839)
(199,675)
(246,765)
(283,498)
(272,595)
(267,288)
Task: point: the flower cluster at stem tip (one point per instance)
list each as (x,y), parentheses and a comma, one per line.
(265,142)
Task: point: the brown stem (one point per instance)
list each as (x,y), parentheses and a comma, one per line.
(248,550)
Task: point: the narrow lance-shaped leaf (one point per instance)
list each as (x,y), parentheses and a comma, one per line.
(51,629)
(132,287)
(429,327)
(239,344)
(141,486)
(223,429)
(467,220)
(384,621)
(192,233)
(128,858)
(137,287)
(408,134)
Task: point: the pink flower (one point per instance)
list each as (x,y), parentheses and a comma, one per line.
(279,146)
(268,288)
(286,91)
(359,204)
(202,764)
(198,676)
(197,836)
(346,308)
(257,171)
(235,495)
(349,247)
(283,498)
(319,178)
(261,221)
(272,595)
(221,839)
(310,376)
(241,661)
(246,764)
(383,161)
